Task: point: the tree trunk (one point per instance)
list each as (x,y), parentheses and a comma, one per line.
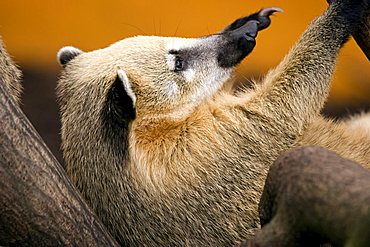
(39,206)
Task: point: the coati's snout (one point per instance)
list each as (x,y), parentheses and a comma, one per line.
(238,39)
(237,44)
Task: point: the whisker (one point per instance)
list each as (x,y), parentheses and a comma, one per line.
(178,25)
(136,27)
(160,26)
(155,28)
(208,29)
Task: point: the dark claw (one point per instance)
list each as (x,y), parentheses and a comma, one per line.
(264,17)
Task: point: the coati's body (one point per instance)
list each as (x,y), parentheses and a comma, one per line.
(165,157)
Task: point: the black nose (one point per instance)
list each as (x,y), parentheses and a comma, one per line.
(237,44)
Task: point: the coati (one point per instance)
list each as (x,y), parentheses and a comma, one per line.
(10,75)
(166,157)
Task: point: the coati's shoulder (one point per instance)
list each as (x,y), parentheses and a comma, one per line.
(10,75)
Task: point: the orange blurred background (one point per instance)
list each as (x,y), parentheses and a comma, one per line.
(34,31)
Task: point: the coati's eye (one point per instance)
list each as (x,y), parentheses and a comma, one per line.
(176,61)
(179,64)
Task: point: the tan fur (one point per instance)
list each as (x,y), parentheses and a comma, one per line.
(10,74)
(190,171)
(360,121)
(350,142)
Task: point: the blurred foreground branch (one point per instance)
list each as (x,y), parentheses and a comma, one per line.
(313,196)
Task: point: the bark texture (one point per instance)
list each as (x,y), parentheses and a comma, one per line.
(39,206)
(313,196)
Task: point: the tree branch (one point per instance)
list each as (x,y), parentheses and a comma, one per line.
(38,204)
(313,196)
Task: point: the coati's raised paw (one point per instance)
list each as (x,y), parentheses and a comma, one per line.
(262,18)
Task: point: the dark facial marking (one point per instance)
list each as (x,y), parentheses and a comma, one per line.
(179,64)
(183,58)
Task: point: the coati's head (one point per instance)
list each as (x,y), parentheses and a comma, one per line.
(160,75)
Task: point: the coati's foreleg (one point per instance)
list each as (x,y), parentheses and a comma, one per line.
(10,75)
(295,91)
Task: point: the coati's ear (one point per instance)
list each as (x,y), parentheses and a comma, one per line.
(127,86)
(121,100)
(66,54)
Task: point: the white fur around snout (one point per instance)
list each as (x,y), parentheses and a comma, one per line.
(177,44)
(189,74)
(66,54)
(171,59)
(172,90)
(126,84)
